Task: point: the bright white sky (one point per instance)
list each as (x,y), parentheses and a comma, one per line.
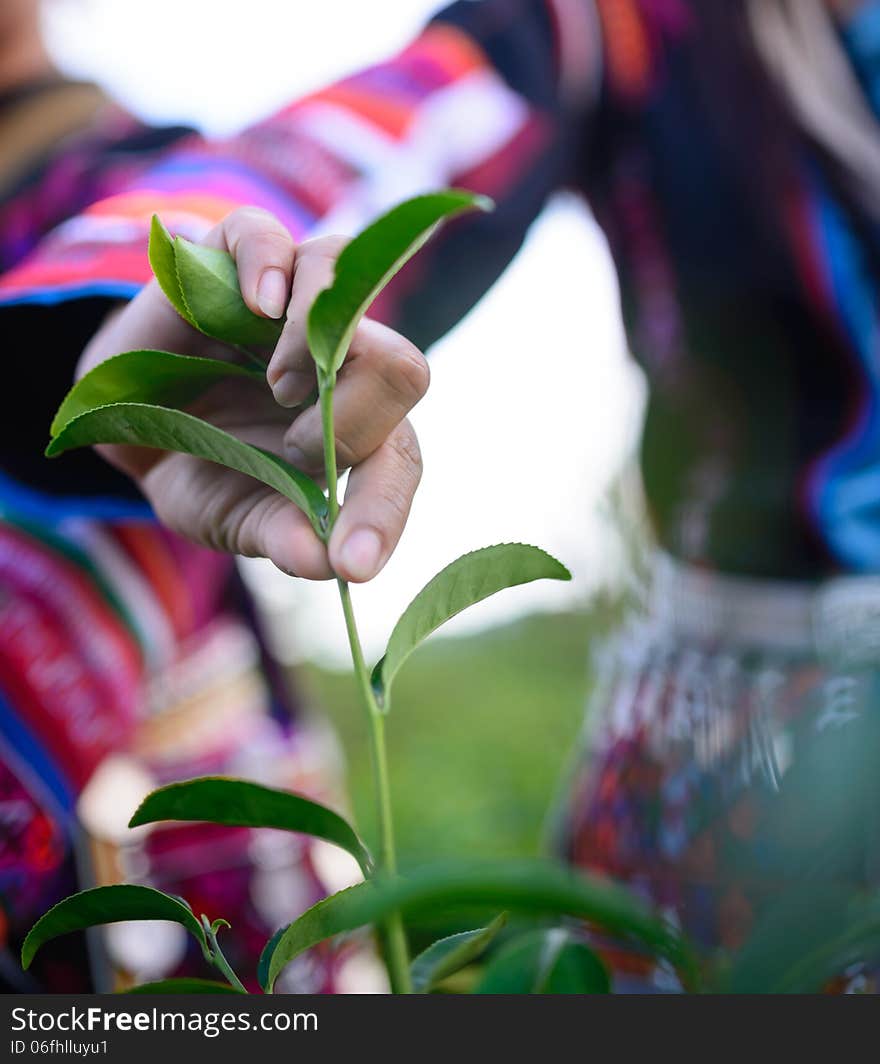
(533,405)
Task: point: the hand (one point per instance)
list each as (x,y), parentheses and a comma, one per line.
(383,377)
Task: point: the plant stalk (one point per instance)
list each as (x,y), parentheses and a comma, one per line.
(219,961)
(325,396)
(396,949)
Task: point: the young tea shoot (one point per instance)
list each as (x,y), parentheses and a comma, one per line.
(139,398)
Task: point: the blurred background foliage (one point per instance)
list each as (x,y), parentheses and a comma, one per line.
(482,728)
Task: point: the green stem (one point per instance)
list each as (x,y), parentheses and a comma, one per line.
(219,961)
(395,936)
(325,392)
(397,952)
(387,854)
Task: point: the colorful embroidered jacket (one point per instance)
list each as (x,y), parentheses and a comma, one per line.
(126,653)
(748,276)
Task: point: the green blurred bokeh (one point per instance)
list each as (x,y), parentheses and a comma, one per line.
(482,728)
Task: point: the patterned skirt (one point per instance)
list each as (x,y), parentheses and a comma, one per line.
(130,659)
(731,769)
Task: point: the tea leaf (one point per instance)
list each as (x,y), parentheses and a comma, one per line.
(468,580)
(340,912)
(449,955)
(109,905)
(157,377)
(143,425)
(527,886)
(202,285)
(266,958)
(208,280)
(545,962)
(240,803)
(184,986)
(369,262)
(164,267)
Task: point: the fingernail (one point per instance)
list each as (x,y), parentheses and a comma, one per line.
(361,553)
(272,292)
(292,387)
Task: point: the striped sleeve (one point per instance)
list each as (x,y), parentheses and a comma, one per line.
(487,98)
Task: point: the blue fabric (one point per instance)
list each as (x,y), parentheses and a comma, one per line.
(17,499)
(15,735)
(861,37)
(63,293)
(849,500)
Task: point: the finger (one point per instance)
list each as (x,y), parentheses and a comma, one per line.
(383,379)
(227,511)
(264,253)
(277,530)
(377,503)
(291,372)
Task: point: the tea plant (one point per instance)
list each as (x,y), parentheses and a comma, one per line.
(136,398)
